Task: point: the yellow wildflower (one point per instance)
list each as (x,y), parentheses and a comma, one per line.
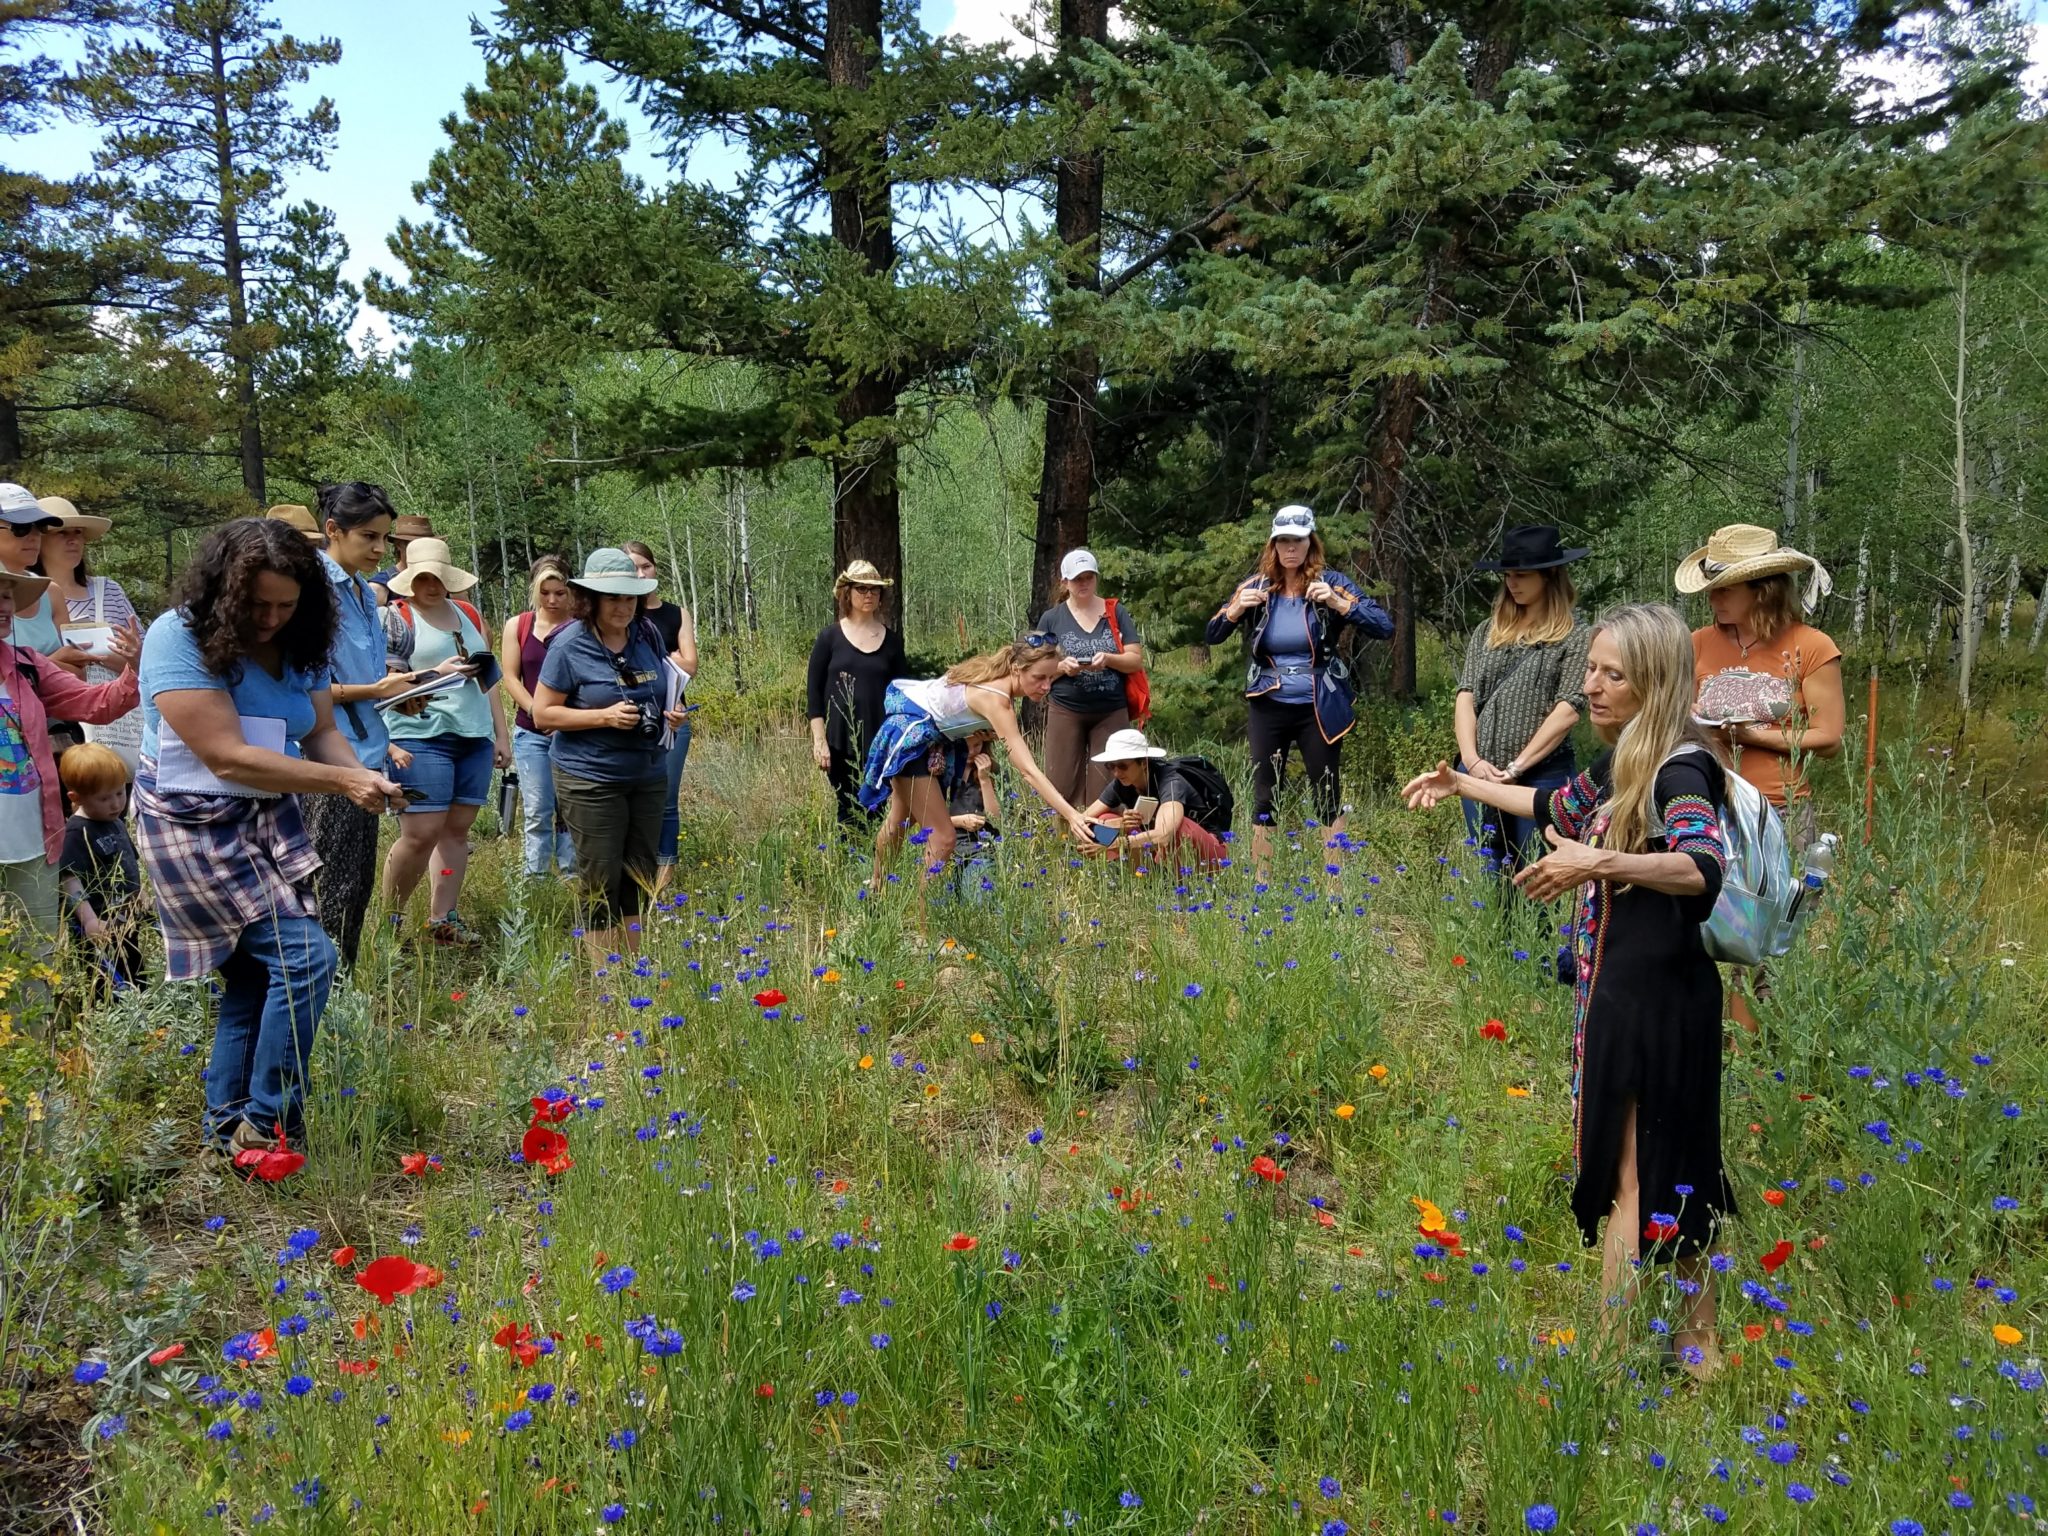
(1376,1071)
(2005,1333)
(1345,1111)
(866,1062)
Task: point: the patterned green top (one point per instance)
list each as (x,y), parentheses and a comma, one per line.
(1515,686)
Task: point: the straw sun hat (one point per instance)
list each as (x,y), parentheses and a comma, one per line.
(1743,552)
(861,573)
(70,519)
(431,557)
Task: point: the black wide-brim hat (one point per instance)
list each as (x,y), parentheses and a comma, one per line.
(1532,549)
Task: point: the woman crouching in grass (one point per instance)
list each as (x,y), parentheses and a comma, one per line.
(1638,837)
(921,748)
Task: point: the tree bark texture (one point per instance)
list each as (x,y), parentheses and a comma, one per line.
(866,511)
(1066,485)
(230,213)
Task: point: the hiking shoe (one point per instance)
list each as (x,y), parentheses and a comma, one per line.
(454,932)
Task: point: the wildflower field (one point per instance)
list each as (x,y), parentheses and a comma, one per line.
(1078,1199)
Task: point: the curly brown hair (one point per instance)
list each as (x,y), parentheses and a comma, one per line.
(217,592)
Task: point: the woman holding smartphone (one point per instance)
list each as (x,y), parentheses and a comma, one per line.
(84,603)
(921,750)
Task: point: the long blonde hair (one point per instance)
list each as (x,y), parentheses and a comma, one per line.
(1020,655)
(1544,622)
(1656,659)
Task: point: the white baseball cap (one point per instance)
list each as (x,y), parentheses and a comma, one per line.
(1293,522)
(1127,746)
(1077,563)
(18,506)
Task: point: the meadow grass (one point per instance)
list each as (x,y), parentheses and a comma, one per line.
(921,1215)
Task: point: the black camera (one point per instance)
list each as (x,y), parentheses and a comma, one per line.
(649,728)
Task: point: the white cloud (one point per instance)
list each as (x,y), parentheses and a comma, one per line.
(994,21)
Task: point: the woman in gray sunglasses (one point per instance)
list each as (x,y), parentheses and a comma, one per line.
(1299,688)
(921,748)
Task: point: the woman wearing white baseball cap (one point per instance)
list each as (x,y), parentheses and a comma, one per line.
(1299,688)
(1102,662)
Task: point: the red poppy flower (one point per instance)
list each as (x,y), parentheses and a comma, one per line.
(270,1164)
(262,1345)
(545,1149)
(1326,1219)
(1660,1231)
(766,1389)
(1774,1197)
(1493,1029)
(553,1111)
(167,1354)
(1267,1169)
(356,1367)
(391,1277)
(770,999)
(1775,1257)
(1457,959)
(419,1164)
(593,1341)
(344,1256)
(960,1242)
(510,1334)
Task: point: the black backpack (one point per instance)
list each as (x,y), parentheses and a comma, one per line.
(1215,804)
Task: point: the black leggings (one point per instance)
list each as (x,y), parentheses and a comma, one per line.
(1274,727)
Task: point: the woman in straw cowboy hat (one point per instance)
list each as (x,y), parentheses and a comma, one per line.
(1771,683)
(853,661)
(455,736)
(1523,686)
(83,602)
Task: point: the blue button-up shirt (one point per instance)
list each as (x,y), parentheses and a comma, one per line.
(358,657)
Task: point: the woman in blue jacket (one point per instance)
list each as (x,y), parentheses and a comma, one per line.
(1299,688)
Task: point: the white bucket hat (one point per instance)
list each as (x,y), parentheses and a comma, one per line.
(611,573)
(1293,522)
(431,557)
(1127,746)
(1078,562)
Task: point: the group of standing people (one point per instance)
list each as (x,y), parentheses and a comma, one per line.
(297,690)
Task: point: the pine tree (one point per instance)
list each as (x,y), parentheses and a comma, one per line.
(1486,248)
(843,107)
(201,127)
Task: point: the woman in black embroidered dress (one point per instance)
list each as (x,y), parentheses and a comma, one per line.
(1638,836)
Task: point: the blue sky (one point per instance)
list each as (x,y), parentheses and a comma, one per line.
(403,66)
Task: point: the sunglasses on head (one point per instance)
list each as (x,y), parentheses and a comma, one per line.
(1038,639)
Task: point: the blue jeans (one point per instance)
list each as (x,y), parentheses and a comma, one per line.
(1509,842)
(545,844)
(671,816)
(273,989)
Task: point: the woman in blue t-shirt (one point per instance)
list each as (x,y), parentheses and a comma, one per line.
(237,723)
(603,694)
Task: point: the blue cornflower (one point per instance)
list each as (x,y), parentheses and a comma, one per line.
(88,1372)
(1192,989)
(540,1392)
(616,1279)
(1130,1500)
(298,1386)
(1799,1493)
(623,1439)
(1540,1517)
(1329,1487)
(612,1514)
(516,1421)
(879,1340)
(743,1292)
(2004,1203)
(219,1429)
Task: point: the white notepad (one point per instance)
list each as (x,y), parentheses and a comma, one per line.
(180,772)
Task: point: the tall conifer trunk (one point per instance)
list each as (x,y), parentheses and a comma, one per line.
(865,503)
(1066,485)
(230,214)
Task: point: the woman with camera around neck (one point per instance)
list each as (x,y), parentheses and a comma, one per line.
(602,695)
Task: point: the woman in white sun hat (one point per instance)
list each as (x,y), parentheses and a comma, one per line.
(84,604)
(1771,683)
(1101,652)
(1190,801)
(455,737)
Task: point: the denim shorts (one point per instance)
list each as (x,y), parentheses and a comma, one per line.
(453,770)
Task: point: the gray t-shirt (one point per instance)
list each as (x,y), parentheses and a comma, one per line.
(1098,691)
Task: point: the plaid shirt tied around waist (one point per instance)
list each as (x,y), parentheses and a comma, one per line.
(220,863)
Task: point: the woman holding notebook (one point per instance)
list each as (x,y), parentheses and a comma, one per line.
(237,722)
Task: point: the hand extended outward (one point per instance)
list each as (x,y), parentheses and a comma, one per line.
(374,792)
(1568,865)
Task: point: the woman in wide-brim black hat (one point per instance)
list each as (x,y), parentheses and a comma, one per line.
(1523,685)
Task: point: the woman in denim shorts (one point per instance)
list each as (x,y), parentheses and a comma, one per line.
(455,736)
